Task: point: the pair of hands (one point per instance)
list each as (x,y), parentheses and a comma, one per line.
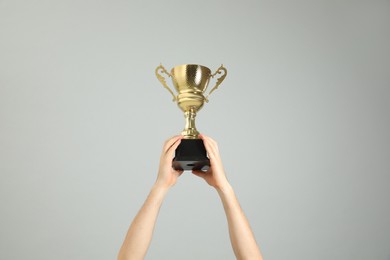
(214,176)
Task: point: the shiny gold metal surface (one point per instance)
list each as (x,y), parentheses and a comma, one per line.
(190,82)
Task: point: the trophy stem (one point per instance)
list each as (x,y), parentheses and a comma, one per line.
(190,131)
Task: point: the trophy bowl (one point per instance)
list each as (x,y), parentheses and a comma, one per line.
(190,81)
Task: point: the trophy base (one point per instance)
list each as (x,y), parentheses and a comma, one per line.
(191,155)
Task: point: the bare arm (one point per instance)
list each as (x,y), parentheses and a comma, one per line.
(241,235)
(140,233)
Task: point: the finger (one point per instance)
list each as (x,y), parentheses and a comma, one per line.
(179,172)
(210,148)
(212,142)
(172,148)
(207,144)
(198,173)
(170,142)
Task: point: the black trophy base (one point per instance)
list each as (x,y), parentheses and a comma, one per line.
(191,155)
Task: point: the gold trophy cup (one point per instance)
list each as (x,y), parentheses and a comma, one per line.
(190,82)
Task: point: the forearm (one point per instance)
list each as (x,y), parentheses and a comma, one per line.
(241,236)
(140,233)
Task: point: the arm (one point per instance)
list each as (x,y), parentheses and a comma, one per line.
(140,233)
(241,236)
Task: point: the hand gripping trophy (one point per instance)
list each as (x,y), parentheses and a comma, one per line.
(190,82)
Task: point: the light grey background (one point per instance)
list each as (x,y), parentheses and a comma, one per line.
(302,122)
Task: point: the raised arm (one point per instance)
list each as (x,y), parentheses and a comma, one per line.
(241,236)
(140,233)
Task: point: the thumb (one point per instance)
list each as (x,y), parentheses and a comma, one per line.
(198,173)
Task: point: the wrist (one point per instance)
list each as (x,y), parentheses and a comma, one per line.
(223,188)
(161,186)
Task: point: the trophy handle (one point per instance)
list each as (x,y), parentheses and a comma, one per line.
(219,80)
(161,69)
